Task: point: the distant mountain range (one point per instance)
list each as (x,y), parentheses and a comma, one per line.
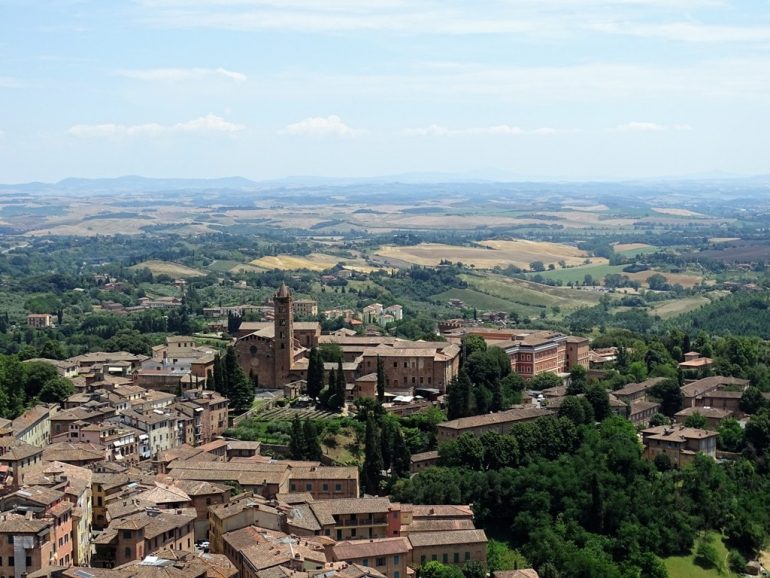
(139,184)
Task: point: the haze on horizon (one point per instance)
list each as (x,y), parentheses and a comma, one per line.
(548,89)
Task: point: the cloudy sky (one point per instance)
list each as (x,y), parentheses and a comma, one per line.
(550,89)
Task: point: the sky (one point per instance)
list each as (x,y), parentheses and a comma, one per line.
(507,89)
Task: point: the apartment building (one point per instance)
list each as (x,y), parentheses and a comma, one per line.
(34,425)
(26,545)
(681,444)
(133,537)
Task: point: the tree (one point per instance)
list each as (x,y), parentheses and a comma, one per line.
(233,322)
(752,400)
(695,420)
(572,409)
(315,373)
(512,386)
(239,390)
(312,445)
(537,266)
(459,394)
(544,381)
(380,380)
(730,435)
(373,465)
(578,379)
(657,282)
(474,569)
(670,396)
(435,569)
(297,444)
(471,344)
(501,557)
(599,399)
(339,390)
(56,390)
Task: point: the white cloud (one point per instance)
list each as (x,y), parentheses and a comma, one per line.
(495,130)
(638,126)
(320,126)
(181,74)
(205,124)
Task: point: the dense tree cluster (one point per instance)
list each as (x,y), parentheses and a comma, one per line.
(589,505)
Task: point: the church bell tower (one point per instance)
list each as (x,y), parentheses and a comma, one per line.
(284,335)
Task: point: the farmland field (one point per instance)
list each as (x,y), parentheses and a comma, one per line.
(577,274)
(169,268)
(493,253)
(484,302)
(533,295)
(667,309)
(312,262)
(677,212)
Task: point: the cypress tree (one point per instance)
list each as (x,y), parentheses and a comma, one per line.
(340,389)
(380,380)
(315,373)
(372,473)
(312,445)
(218,376)
(402,457)
(459,396)
(297,442)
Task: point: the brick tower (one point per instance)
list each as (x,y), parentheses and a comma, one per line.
(284,336)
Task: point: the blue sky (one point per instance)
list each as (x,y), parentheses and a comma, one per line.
(551,89)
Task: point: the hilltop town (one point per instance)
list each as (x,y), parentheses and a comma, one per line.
(387,404)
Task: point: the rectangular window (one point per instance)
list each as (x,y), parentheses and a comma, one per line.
(456,557)
(397,559)
(445,558)
(396,574)
(127,534)
(11,561)
(380,561)
(365,562)
(127,552)
(434,557)
(467,556)
(325,487)
(422,559)
(337,487)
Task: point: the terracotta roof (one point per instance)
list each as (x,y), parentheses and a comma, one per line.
(633,388)
(511,415)
(422,539)
(29,418)
(708,384)
(441,525)
(357,549)
(15,450)
(676,433)
(14,523)
(709,412)
(440,511)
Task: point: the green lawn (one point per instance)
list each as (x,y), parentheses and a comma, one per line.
(685,566)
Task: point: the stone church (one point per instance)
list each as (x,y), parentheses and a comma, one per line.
(276,352)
